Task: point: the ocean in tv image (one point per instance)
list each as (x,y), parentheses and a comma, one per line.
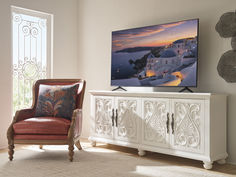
(160,55)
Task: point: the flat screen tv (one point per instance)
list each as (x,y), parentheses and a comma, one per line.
(159,55)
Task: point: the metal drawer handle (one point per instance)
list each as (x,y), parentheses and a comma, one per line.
(116,117)
(167,122)
(173,123)
(112,117)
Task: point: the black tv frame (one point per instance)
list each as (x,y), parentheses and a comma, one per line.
(184,87)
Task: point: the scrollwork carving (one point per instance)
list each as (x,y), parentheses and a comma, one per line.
(187,125)
(127,118)
(103,124)
(155,121)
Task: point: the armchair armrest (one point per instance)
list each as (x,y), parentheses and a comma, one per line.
(76,125)
(19,115)
(23,114)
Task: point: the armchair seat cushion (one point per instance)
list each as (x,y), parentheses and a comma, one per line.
(42,126)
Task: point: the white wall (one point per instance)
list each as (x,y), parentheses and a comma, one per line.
(97,18)
(65,47)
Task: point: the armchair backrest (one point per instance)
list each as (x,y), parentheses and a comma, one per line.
(80,93)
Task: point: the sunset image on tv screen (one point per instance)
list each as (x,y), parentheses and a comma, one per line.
(159,55)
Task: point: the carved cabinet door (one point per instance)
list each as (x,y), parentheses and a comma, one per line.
(127,119)
(103,117)
(155,123)
(187,125)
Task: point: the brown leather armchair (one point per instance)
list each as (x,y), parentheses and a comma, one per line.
(26,128)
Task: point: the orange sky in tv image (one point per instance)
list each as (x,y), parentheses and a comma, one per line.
(159,35)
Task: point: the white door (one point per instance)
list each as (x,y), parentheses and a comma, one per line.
(187,125)
(155,123)
(127,118)
(103,117)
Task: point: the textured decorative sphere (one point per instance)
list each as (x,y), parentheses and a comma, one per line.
(227,66)
(226,26)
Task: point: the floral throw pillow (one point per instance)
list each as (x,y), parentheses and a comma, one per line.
(56,101)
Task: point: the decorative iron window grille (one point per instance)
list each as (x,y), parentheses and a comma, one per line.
(30,54)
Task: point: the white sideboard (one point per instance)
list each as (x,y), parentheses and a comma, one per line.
(191,125)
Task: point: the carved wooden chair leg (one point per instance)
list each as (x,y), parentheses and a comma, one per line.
(78,145)
(11,151)
(40,146)
(71,151)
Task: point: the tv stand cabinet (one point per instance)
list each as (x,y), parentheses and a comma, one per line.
(190,125)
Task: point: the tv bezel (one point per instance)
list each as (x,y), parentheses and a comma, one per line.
(160,85)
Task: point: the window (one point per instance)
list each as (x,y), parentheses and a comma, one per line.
(31,53)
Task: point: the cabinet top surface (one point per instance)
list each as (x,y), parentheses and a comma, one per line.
(153,94)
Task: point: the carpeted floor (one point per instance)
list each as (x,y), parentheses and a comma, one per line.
(53,161)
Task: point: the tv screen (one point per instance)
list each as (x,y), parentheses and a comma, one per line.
(159,55)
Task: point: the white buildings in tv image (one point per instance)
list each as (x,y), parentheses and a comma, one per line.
(166,69)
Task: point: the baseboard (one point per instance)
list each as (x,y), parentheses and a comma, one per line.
(231,163)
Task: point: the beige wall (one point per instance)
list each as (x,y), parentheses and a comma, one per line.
(65,47)
(97,18)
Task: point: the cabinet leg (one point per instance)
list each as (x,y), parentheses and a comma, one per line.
(207,165)
(221,161)
(93,143)
(141,152)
